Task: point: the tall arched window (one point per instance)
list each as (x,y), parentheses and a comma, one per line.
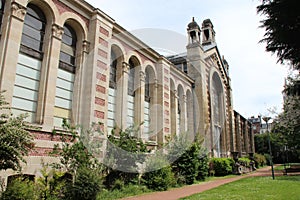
(147,87)
(2,4)
(147,103)
(131,93)
(65,77)
(25,96)
(217,113)
(131,78)
(111,116)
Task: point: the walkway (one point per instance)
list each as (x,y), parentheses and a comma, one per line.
(197,188)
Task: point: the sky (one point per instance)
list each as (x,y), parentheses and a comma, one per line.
(256,78)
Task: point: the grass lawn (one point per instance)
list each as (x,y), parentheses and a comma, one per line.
(284,187)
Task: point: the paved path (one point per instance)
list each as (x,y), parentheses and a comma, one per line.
(197,188)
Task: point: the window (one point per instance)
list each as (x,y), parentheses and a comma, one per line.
(33,32)
(28,70)
(2,3)
(65,77)
(113,70)
(131,79)
(68,50)
(147,87)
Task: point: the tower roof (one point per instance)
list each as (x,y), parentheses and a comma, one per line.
(193,25)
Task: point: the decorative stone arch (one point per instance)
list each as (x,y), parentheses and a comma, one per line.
(76,23)
(218,114)
(49,9)
(146,64)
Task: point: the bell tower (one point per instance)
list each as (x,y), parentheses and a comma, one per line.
(196,70)
(194,33)
(208,32)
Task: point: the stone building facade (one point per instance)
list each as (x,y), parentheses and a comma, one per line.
(65,59)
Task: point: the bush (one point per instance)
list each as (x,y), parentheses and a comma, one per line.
(260,160)
(202,167)
(244,161)
(86,186)
(160,179)
(221,166)
(20,189)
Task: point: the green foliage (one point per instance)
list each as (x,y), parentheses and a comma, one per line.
(15,140)
(277,141)
(189,159)
(244,161)
(86,186)
(77,151)
(53,184)
(282,27)
(186,167)
(134,148)
(20,189)
(160,179)
(126,191)
(287,125)
(221,166)
(260,160)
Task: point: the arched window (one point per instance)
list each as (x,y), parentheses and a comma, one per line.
(33,32)
(113,70)
(68,50)
(147,87)
(112,93)
(217,113)
(131,92)
(65,77)
(131,78)
(2,4)
(26,88)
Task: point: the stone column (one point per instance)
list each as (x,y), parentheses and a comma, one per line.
(121,102)
(154,112)
(46,100)
(11,46)
(139,100)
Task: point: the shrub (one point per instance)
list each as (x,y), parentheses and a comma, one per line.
(189,158)
(202,167)
(160,179)
(86,186)
(260,160)
(244,161)
(221,166)
(20,189)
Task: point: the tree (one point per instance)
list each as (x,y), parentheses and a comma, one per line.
(288,124)
(282,25)
(15,139)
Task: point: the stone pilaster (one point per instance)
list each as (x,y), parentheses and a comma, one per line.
(11,44)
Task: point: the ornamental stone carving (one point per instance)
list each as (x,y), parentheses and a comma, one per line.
(57,31)
(86,46)
(18,11)
(142,76)
(125,67)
